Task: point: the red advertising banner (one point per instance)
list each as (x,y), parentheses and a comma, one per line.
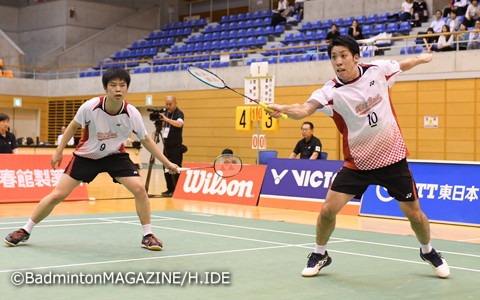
(28,178)
(206,185)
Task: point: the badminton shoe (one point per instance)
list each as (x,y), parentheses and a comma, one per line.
(12,239)
(315,263)
(437,262)
(150,242)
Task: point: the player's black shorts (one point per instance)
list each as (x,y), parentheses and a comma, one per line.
(86,169)
(396,178)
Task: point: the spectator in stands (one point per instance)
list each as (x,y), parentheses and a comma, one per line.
(282,5)
(355,31)
(406,10)
(430,41)
(278,18)
(462,37)
(472,14)
(310,146)
(333,33)
(8,142)
(62,131)
(438,23)
(453,22)
(445,42)
(458,6)
(420,12)
(474,39)
(299,8)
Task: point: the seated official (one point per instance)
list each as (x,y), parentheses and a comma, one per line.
(310,146)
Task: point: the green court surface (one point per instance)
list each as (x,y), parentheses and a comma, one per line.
(245,258)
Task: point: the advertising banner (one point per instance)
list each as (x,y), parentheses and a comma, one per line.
(301,184)
(206,185)
(448,192)
(28,178)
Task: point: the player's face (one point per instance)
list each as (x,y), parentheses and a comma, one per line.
(344,63)
(116,89)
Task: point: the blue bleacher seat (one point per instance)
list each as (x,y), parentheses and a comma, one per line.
(250,61)
(272,60)
(338,22)
(320,34)
(223,44)
(316,25)
(136,71)
(259,31)
(343,31)
(269,30)
(250,32)
(294,58)
(248,15)
(392,27)
(257,14)
(240,17)
(242,42)
(223,19)
(418,49)
(279,29)
(306,26)
(261,40)
(249,23)
(383,18)
(348,21)
(371,19)
(326,24)
(169,68)
(298,37)
(283,60)
(378,28)
(309,36)
(215,64)
(403,51)
(367,30)
(362,20)
(405,27)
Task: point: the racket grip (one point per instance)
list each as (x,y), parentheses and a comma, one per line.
(182,169)
(264,106)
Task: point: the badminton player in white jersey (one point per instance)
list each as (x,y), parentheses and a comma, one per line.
(358,101)
(107,122)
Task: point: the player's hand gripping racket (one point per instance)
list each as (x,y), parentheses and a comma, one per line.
(213,80)
(225,165)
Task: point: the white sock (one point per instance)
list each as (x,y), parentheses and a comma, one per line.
(147,229)
(426,248)
(320,249)
(29,226)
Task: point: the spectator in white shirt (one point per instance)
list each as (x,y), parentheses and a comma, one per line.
(438,23)
(474,39)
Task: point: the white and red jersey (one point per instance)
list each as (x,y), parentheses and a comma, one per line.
(363,113)
(103,133)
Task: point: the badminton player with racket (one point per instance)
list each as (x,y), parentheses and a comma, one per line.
(108,121)
(357,99)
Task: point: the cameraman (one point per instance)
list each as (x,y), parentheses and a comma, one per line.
(172,138)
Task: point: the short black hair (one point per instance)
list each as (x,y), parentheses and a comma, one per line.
(308,123)
(114,73)
(344,40)
(4,117)
(227,151)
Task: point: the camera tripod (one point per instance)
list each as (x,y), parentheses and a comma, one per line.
(157,137)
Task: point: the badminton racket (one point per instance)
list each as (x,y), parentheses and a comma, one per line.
(213,80)
(225,165)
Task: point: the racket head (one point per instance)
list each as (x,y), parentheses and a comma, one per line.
(227,165)
(206,77)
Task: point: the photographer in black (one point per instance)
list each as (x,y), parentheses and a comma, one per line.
(172,139)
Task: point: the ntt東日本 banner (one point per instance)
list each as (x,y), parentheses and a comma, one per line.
(28,178)
(448,192)
(206,185)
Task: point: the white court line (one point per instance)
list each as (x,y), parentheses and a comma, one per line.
(69,220)
(278,245)
(142,259)
(304,234)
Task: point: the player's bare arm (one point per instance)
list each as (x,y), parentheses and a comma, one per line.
(294,111)
(409,63)
(57,156)
(150,145)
